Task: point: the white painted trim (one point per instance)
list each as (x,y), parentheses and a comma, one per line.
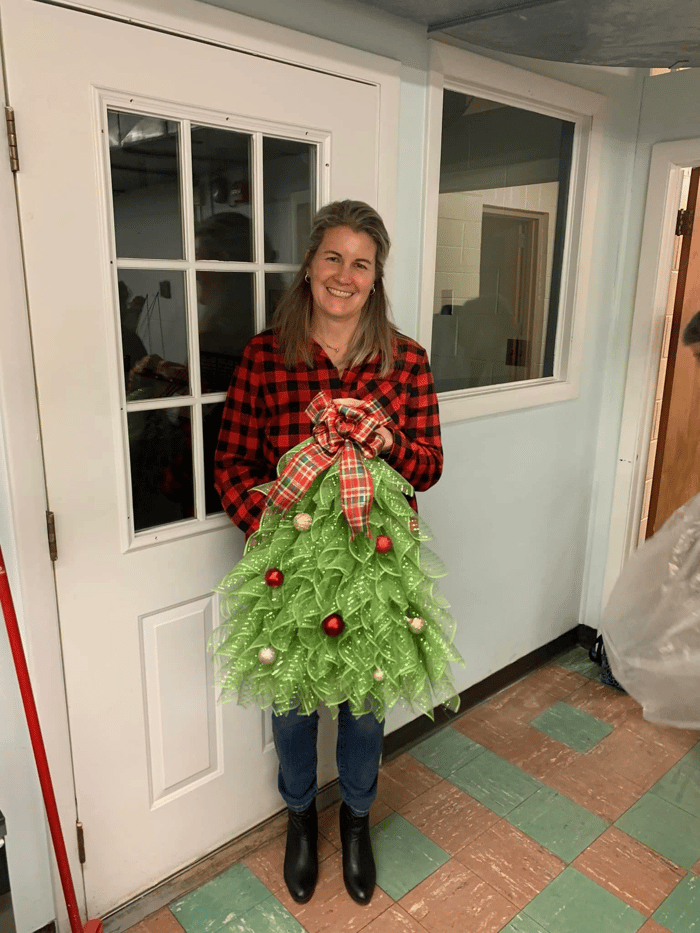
(26,546)
(433,145)
(465,71)
(655,263)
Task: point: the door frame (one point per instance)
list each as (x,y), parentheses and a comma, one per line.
(26,541)
(653,280)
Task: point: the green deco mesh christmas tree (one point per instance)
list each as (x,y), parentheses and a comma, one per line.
(317,611)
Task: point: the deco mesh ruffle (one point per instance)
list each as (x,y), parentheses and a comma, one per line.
(377,660)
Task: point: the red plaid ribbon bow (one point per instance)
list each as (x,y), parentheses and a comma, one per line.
(345,432)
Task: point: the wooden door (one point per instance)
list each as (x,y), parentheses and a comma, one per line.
(132,139)
(677,466)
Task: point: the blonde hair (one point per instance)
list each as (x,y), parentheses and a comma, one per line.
(292,318)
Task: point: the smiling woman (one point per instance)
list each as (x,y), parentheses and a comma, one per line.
(318,610)
(341,277)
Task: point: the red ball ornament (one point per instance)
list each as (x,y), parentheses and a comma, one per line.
(384,544)
(333,625)
(274,577)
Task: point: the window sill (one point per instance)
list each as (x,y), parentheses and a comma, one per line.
(465,404)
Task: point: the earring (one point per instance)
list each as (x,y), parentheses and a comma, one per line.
(373,290)
(306,277)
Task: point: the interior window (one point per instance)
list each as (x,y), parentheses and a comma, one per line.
(503,198)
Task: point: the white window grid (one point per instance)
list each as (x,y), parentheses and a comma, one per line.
(188,266)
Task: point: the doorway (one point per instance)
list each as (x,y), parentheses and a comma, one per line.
(674,456)
(668,163)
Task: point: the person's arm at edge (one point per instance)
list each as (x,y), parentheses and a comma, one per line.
(416,452)
(239,462)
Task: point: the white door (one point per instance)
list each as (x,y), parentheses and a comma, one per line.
(165,191)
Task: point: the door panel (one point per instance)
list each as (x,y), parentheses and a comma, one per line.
(162,773)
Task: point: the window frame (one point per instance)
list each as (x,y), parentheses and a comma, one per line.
(187,117)
(459,70)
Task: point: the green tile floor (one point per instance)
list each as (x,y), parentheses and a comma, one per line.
(665,818)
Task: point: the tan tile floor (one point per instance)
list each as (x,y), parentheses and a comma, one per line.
(503,821)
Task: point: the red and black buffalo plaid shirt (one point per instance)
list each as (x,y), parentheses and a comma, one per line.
(264,417)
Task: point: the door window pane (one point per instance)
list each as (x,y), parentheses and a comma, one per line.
(159,327)
(144,160)
(226,324)
(211,423)
(160,450)
(154,333)
(289,171)
(222,192)
(504,177)
(276,284)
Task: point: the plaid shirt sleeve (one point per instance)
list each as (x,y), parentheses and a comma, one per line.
(239,463)
(417,449)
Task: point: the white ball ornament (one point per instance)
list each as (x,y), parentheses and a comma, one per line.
(379,675)
(416,625)
(302,521)
(266,655)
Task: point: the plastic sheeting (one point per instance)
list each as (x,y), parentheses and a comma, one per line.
(651,625)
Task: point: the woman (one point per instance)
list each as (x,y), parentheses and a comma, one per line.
(331,332)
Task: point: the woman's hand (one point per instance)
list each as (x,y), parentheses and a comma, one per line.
(383,432)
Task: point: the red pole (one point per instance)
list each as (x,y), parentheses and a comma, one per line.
(42,764)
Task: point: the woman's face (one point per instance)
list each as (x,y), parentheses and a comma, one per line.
(342,274)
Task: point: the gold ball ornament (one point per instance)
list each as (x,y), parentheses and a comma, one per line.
(416,625)
(379,675)
(302,521)
(267,655)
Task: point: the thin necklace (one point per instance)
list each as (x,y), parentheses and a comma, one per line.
(335,349)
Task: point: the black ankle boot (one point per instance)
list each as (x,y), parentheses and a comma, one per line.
(359,871)
(301,856)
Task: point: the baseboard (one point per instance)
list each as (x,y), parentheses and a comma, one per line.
(413,732)
(586,636)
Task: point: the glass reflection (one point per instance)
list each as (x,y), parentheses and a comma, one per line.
(154,333)
(144,161)
(226,324)
(160,449)
(211,422)
(289,169)
(502,207)
(276,284)
(221,166)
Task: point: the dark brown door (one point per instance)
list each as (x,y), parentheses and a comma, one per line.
(677,466)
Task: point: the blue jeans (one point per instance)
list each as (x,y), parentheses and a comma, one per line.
(358,752)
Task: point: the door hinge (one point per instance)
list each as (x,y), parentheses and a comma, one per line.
(12,138)
(684,221)
(51,529)
(81,842)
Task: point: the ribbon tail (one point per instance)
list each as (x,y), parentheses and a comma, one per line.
(356,490)
(296,478)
